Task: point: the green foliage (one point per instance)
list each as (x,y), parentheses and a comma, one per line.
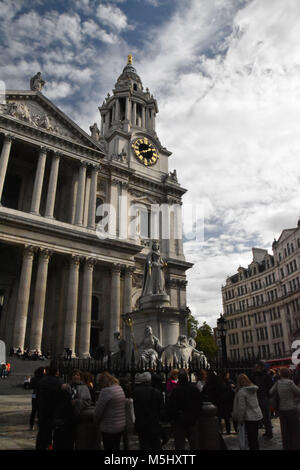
(205,338)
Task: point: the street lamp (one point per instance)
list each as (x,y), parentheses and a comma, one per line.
(221,333)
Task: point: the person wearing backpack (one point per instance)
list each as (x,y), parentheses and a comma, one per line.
(147,402)
(184,408)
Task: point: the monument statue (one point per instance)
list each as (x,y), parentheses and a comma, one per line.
(118,348)
(154,280)
(36,82)
(181,351)
(150,349)
(195,353)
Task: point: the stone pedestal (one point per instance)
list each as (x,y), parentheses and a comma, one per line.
(166,323)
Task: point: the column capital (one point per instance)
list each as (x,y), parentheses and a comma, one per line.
(95,166)
(30,250)
(75,260)
(56,153)
(8,137)
(129,270)
(116,267)
(45,253)
(83,164)
(90,262)
(43,149)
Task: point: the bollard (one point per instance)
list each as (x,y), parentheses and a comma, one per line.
(208,428)
(88,436)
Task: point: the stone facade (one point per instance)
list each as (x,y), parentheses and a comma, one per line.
(61,283)
(261,303)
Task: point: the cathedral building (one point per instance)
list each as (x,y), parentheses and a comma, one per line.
(261,303)
(78,214)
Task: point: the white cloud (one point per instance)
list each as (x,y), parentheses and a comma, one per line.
(112,16)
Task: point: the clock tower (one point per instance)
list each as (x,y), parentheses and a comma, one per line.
(143,194)
(128,126)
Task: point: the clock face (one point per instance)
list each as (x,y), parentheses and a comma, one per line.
(144,151)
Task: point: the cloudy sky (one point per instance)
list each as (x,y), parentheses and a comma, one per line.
(226,75)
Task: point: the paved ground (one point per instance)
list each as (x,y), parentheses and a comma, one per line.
(15,408)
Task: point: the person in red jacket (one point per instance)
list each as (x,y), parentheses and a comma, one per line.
(172,381)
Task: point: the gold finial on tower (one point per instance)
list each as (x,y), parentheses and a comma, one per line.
(129,57)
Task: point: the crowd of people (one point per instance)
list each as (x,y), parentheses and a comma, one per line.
(156,411)
(29,355)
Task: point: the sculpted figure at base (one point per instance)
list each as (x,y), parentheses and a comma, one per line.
(181,351)
(150,349)
(154,280)
(195,353)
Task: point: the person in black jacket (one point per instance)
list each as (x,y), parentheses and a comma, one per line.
(38,375)
(184,408)
(226,400)
(147,402)
(47,392)
(264,383)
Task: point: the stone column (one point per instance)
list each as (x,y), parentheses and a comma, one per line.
(80,194)
(4,161)
(127,109)
(133,121)
(114,303)
(93,195)
(72,304)
(117,110)
(23,298)
(38,182)
(74,188)
(86,309)
(128,289)
(39,301)
(114,213)
(86,201)
(52,186)
(143,117)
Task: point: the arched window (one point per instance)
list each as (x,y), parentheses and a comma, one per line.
(135,87)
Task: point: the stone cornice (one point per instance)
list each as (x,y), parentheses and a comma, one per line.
(50,145)
(66,231)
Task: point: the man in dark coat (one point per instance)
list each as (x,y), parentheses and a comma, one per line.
(47,392)
(184,408)
(264,383)
(147,402)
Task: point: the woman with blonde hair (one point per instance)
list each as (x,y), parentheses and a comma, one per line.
(246,410)
(110,412)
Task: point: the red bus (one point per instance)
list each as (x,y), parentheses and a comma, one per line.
(278,363)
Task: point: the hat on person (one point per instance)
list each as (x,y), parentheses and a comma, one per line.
(142,378)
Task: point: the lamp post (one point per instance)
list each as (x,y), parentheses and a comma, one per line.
(221,333)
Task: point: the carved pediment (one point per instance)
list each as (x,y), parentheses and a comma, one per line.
(40,113)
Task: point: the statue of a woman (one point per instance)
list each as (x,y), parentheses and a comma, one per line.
(154,281)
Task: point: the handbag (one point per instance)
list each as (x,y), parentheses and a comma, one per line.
(275,400)
(130,416)
(241,431)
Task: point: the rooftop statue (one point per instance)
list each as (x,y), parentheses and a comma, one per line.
(95,133)
(36,82)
